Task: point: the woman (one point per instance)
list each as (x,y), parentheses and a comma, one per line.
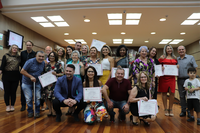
(140,92)
(122,57)
(167,83)
(10,70)
(84,53)
(152,55)
(107,63)
(93,57)
(48,92)
(143,63)
(61,57)
(68,53)
(75,60)
(94,110)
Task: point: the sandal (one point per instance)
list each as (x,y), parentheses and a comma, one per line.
(134,123)
(171,113)
(145,123)
(166,112)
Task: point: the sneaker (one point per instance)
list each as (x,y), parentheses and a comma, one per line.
(23,108)
(112,118)
(190,119)
(12,108)
(37,115)
(198,122)
(8,108)
(30,115)
(58,118)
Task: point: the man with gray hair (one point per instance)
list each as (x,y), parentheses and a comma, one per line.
(48,50)
(119,88)
(31,70)
(184,61)
(78,46)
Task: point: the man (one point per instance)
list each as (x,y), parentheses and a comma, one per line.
(31,70)
(48,50)
(78,46)
(184,61)
(119,89)
(26,55)
(68,92)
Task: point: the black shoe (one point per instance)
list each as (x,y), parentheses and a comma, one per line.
(145,123)
(122,117)
(190,119)
(112,118)
(76,117)
(182,114)
(198,122)
(58,118)
(49,115)
(47,108)
(23,108)
(37,115)
(188,114)
(30,115)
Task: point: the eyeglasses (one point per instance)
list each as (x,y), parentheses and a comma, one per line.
(90,71)
(144,77)
(51,56)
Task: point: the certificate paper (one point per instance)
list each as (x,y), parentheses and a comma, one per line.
(126,70)
(158,70)
(171,70)
(97,44)
(147,107)
(98,68)
(92,94)
(47,79)
(1,85)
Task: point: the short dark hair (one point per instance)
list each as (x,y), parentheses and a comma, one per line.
(118,49)
(78,42)
(191,69)
(71,66)
(30,42)
(55,55)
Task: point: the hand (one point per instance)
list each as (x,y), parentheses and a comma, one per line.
(125,108)
(0,72)
(162,57)
(73,101)
(88,101)
(145,98)
(33,79)
(178,66)
(66,101)
(81,64)
(191,90)
(186,89)
(157,76)
(54,73)
(110,104)
(163,68)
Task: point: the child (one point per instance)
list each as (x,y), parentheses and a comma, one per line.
(192,86)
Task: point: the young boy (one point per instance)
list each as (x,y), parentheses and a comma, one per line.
(192,86)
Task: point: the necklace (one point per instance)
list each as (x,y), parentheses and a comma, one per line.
(91,84)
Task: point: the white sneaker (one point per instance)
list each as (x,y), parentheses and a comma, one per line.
(12,108)
(8,108)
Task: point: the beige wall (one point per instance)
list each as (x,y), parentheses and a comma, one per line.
(39,41)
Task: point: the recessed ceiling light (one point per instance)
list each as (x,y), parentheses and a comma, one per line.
(166,40)
(132,22)
(115,22)
(133,15)
(194,16)
(70,41)
(84,42)
(182,33)
(114,15)
(61,24)
(47,24)
(117,40)
(163,19)
(173,42)
(153,33)
(66,33)
(178,40)
(198,23)
(146,41)
(123,33)
(86,20)
(94,33)
(55,18)
(163,42)
(189,22)
(39,19)
(128,40)
(79,40)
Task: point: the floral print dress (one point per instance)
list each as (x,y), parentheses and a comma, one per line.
(48,91)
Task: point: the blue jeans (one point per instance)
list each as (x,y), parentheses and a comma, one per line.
(116,104)
(28,90)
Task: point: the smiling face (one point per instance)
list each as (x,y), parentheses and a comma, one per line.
(90,73)
(181,51)
(60,52)
(143,78)
(78,46)
(40,57)
(122,52)
(119,74)
(93,52)
(84,49)
(69,51)
(75,57)
(105,51)
(168,50)
(52,57)
(48,50)
(69,72)
(143,52)
(29,46)
(152,52)
(14,49)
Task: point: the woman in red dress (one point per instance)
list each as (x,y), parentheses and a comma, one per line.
(167,83)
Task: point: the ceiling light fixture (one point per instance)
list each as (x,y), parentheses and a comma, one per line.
(189,22)
(153,33)
(61,24)
(132,22)
(94,33)
(55,18)
(47,24)
(163,19)
(115,22)
(182,33)
(146,41)
(39,19)
(86,20)
(194,16)
(123,33)
(133,15)
(66,33)
(70,41)
(114,15)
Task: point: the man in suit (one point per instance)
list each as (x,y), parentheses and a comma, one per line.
(68,92)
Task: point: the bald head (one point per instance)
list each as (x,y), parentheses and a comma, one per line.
(48,50)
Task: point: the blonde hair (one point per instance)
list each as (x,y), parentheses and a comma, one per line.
(87,50)
(139,83)
(165,53)
(10,50)
(101,53)
(96,51)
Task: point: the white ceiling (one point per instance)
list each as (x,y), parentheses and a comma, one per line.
(72,11)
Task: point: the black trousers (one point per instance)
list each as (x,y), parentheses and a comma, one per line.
(10,88)
(57,104)
(23,99)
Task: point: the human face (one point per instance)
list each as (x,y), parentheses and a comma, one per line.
(84,49)
(181,51)
(122,52)
(29,46)
(93,52)
(143,78)
(119,75)
(69,72)
(75,57)
(60,52)
(90,73)
(143,53)
(52,57)
(78,46)
(169,50)
(192,75)
(48,50)
(14,49)
(152,52)
(40,57)
(69,51)
(105,51)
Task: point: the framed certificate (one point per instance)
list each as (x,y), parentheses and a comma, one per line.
(171,70)
(92,94)
(98,68)
(126,70)
(47,79)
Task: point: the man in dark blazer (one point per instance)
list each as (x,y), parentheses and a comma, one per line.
(68,93)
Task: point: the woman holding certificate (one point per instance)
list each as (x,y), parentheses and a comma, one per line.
(140,92)
(167,83)
(94,111)
(68,53)
(48,92)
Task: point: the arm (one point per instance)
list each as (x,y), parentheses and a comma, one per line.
(82,68)
(132,97)
(25,73)
(80,91)
(111,60)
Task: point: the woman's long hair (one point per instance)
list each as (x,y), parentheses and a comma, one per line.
(95,79)
(118,49)
(139,83)
(151,50)
(102,55)
(67,56)
(165,53)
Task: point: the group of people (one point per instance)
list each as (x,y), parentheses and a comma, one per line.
(117,91)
